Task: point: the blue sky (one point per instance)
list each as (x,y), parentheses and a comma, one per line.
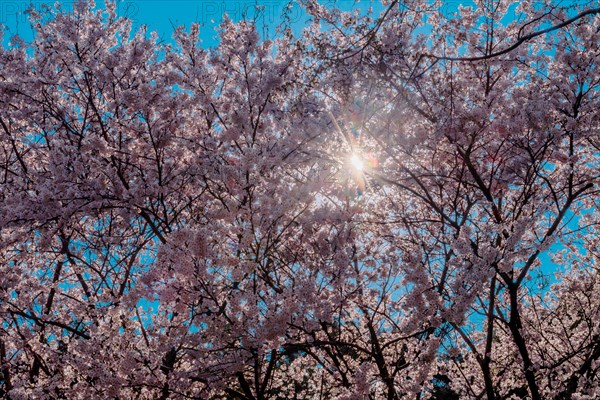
(162,15)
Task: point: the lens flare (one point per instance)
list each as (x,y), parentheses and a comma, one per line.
(357,162)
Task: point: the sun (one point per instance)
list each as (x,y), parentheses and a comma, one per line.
(357,162)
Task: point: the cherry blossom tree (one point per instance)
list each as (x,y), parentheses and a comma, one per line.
(390,206)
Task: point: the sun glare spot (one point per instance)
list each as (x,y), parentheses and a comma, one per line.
(357,162)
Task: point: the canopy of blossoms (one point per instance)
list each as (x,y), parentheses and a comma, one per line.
(394,205)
